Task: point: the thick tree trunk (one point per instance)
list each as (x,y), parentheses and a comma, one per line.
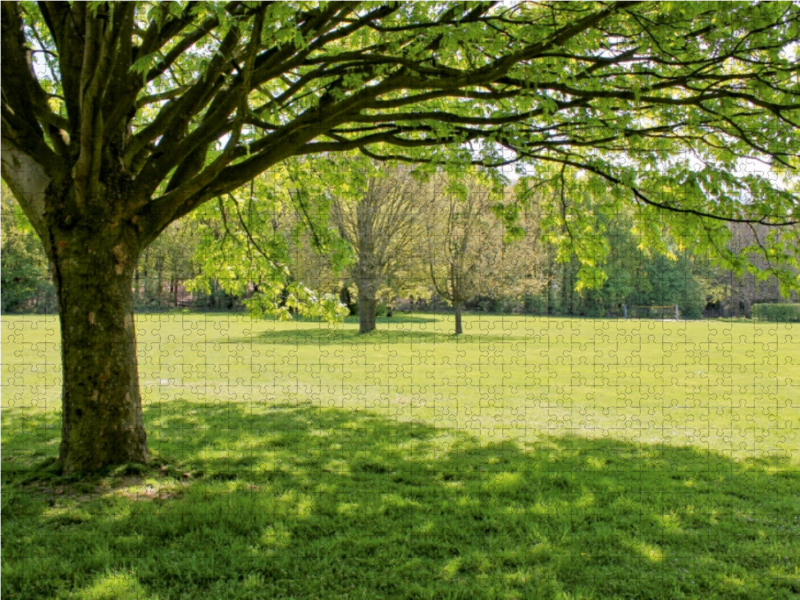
(367,307)
(101,406)
(459,329)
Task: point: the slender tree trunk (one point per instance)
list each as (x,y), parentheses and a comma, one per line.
(457,307)
(101,406)
(160,288)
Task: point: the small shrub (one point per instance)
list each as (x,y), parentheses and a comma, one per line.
(779,313)
(535,304)
(487,304)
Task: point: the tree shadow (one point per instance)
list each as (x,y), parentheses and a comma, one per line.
(297,500)
(336,336)
(397,319)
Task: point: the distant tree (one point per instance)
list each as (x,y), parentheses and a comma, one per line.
(463,243)
(383,220)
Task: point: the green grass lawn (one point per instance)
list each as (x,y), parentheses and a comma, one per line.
(530,458)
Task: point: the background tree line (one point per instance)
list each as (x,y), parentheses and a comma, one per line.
(404,244)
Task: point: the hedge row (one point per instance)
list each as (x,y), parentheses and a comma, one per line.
(781,313)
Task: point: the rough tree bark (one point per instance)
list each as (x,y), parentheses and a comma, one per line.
(367,306)
(93,252)
(102,409)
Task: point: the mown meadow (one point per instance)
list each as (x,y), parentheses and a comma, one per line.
(529,458)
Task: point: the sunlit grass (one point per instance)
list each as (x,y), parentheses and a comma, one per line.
(529,458)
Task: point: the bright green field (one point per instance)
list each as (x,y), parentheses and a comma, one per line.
(530,458)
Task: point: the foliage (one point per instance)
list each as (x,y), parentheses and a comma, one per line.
(778,313)
(26,284)
(479,244)
(280,301)
(626,271)
(672,106)
(255,243)
(198,250)
(381,212)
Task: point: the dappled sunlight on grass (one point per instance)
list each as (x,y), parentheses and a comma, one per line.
(489,518)
(115,586)
(336,487)
(648,551)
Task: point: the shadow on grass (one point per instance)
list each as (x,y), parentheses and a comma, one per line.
(399,318)
(330,336)
(299,501)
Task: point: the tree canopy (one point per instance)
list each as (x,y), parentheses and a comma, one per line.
(187,101)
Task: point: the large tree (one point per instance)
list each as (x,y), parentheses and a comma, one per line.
(119,118)
(381,220)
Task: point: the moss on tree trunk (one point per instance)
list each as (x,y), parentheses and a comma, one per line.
(102,420)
